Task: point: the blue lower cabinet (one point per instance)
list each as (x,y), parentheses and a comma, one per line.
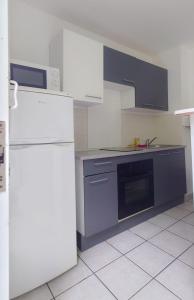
(100,202)
(169,176)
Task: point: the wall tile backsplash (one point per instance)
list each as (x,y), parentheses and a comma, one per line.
(99,125)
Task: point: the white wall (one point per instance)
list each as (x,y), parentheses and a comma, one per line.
(4,199)
(171,59)
(180,64)
(142,126)
(31,31)
(187,76)
(192,143)
(104,121)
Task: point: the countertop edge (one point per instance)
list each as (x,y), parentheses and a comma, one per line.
(97,154)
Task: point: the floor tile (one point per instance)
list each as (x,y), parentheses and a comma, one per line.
(99,256)
(150,258)
(177,212)
(170,243)
(125,241)
(163,220)
(146,230)
(179,278)
(188,205)
(188,257)
(41,293)
(184,230)
(189,219)
(123,278)
(154,291)
(89,289)
(70,278)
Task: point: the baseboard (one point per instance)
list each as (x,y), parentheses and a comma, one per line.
(188,196)
(85,243)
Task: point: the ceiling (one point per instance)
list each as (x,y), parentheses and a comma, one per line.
(151,25)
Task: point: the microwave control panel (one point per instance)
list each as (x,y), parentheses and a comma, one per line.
(2,156)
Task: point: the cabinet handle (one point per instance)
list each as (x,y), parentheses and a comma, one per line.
(152,105)
(160,106)
(103,163)
(129,81)
(95,97)
(99,181)
(176,152)
(164,154)
(149,104)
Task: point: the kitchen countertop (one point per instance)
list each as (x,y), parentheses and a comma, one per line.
(96,153)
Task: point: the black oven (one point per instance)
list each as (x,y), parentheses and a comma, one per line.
(135,187)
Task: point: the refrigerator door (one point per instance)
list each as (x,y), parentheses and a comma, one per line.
(42,214)
(41,118)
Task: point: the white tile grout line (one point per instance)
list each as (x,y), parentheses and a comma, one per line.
(124,255)
(155,277)
(157,282)
(53,297)
(61,293)
(93,273)
(175,258)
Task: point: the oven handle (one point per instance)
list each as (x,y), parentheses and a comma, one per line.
(136,177)
(97,164)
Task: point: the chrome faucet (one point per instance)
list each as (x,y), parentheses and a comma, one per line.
(149,142)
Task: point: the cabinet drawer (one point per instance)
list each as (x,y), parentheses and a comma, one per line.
(100,202)
(97,166)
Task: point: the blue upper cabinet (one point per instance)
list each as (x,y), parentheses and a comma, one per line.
(150,81)
(119,67)
(151,86)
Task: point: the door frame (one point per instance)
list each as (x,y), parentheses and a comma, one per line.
(192,146)
(4,110)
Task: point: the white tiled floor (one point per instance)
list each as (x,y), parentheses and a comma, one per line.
(125,241)
(150,258)
(154,260)
(123,278)
(69,279)
(41,293)
(146,230)
(99,256)
(188,257)
(163,220)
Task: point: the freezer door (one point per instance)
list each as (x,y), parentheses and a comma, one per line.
(41,118)
(42,214)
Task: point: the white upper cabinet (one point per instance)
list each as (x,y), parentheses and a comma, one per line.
(80,60)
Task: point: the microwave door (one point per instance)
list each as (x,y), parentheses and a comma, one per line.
(28,76)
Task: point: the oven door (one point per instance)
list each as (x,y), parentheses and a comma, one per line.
(135,194)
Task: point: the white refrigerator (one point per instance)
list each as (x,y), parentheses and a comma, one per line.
(42,189)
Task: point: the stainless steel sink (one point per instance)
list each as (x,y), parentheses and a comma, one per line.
(160,146)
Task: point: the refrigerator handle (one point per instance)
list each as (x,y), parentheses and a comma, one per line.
(15,103)
(19,147)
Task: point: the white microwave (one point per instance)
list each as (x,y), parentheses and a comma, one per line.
(34,75)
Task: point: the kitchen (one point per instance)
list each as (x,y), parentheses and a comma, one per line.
(130,190)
